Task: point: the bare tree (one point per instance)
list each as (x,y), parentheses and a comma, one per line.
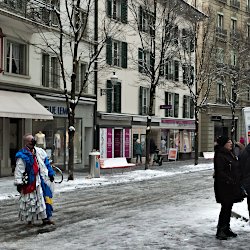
(72,37)
(236,73)
(156,24)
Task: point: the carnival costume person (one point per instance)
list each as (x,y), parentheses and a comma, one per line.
(34,178)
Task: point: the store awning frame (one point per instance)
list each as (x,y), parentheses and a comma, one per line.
(22,105)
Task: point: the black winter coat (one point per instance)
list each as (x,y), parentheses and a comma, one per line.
(227,176)
(245,168)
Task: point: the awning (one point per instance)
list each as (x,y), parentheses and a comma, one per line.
(22,105)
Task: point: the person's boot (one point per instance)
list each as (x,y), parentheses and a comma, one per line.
(222,233)
(230,233)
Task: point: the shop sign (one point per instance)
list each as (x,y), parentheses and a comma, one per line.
(179,123)
(57,110)
(127,142)
(165,106)
(172,154)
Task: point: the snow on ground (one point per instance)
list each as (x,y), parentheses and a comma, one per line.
(200,220)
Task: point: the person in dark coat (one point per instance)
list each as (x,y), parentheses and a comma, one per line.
(245,170)
(227,189)
(138,151)
(152,148)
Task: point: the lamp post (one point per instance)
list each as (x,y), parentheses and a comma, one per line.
(114,80)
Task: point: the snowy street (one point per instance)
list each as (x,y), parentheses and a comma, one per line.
(161,208)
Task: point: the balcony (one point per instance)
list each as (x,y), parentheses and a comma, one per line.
(221,100)
(235,35)
(222,1)
(235,4)
(221,33)
(35,11)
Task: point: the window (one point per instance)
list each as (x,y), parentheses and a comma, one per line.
(219,95)
(144,61)
(80,19)
(233,58)
(144,97)
(16,58)
(50,72)
(171,70)
(44,12)
(248,30)
(118,10)
(187,40)
(172,33)
(146,21)
(173,100)
(248,93)
(116,53)
(233,25)
(188,74)
(188,107)
(220,24)
(113,97)
(16,4)
(80,76)
(220,54)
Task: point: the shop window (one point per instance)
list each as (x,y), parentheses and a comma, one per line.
(16,58)
(80,77)
(117,9)
(56,139)
(144,96)
(50,72)
(173,100)
(116,53)
(188,107)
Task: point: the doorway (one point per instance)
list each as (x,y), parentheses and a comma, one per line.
(15,141)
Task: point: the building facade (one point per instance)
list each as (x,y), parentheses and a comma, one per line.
(231,88)
(122,108)
(31,87)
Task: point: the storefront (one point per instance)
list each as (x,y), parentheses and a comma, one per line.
(17,110)
(115,135)
(179,134)
(55,132)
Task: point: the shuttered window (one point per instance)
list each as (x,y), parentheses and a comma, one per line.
(113,97)
(117,9)
(173,100)
(188,107)
(144,96)
(116,53)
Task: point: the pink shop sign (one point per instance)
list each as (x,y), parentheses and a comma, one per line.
(127,143)
(109,142)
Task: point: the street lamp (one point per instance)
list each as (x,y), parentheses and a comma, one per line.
(113,79)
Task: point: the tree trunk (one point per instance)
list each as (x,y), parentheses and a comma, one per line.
(71,133)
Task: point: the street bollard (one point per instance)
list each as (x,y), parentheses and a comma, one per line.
(94,164)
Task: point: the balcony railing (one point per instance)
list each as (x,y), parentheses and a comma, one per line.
(235,4)
(234,35)
(221,33)
(39,11)
(220,100)
(222,1)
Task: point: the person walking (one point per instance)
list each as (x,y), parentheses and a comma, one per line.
(152,148)
(245,170)
(226,184)
(138,151)
(34,178)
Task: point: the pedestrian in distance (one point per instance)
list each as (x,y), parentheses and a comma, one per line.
(34,178)
(152,148)
(239,147)
(227,187)
(138,151)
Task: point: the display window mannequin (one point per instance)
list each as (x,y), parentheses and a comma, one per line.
(40,140)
